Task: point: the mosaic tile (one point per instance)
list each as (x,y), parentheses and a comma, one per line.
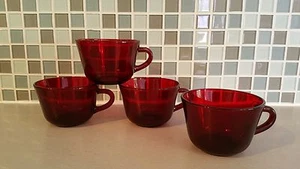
(245,68)
(45,5)
(278,53)
(266,6)
(8,95)
(2,5)
(236,5)
(124,21)
(4,37)
(262,53)
(293,38)
(33,95)
(155,68)
(200,53)
(5,66)
(275,68)
(235,21)
(249,37)
(184,68)
(93,34)
(261,68)
(247,53)
(288,83)
(109,21)
(219,22)
(30,20)
(124,5)
(155,21)
(199,82)
(7,81)
(281,21)
(62,36)
(201,38)
(186,37)
(47,36)
(280,37)
(45,20)
(141,36)
(295,22)
(77,34)
(293,53)
(170,37)
(215,69)
(216,53)
(124,34)
(251,5)
(77,20)
(171,21)
(111,34)
(213,82)
(76,5)
(260,83)
(187,22)
(16,36)
(63,52)
(155,6)
(34,67)
(92,5)
(107,6)
(49,67)
(187,5)
(185,53)
(22,95)
(140,21)
(60,5)
(233,37)
(61,20)
(274,83)
(170,53)
(21,81)
(229,82)
(157,52)
(217,37)
(230,68)
(200,68)
(48,52)
(287,97)
(64,67)
(232,53)
(266,21)
(264,37)
(283,5)
(20,66)
(185,82)
(170,68)
(18,51)
(3,22)
(250,21)
(155,37)
(32,36)
(140,5)
(33,51)
(78,69)
(273,97)
(219,5)
(13,5)
(296,6)
(5,52)
(291,68)
(14,20)
(203,5)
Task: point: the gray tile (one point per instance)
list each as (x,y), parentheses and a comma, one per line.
(170,37)
(16,36)
(279,37)
(287,97)
(21,81)
(155,68)
(200,53)
(261,68)
(185,53)
(273,97)
(274,83)
(200,68)
(232,53)
(61,20)
(157,53)
(251,5)
(171,6)
(47,36)
(141,36)
(22,95)
(235,21)
(217,37)
(171,21)
(170,68)
(215,69)
(13,5)
(249,37)
(76,5)
(187,5)
(30,20)
(155,21)
(220,5)
(3,21)
(199,82)
(124,34)
(33,51)
(109,21)
(140,5)
(49,67)
(236,5)
(230,68)
(29,5)
(45,20)
(264,37)
(295,22)
(63,52)
(296,6)
(260,83)
(244,83)
(5,52)
(186,37)
(92,5)
(278,53)
(124,21)
(266,21)
(77,34)
(124,5)
(247,53)
(78,69)
(283,5)
(219,22)
(8,95)
(2,5)
(185,82)
(77,20)
(202,22)
(293,53)
(18,51)
(291,68)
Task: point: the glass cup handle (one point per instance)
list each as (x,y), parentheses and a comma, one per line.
(110,101)
(147,62)
(180,105)
(271,120)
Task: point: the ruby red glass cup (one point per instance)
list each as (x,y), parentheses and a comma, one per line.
(150,101)
(69,101)
(223,122)
(111,61)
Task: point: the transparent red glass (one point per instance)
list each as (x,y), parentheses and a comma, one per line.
(69,101)
(150,101)
(223,122)
(111,61)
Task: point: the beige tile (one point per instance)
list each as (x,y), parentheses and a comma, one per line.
(21,81)
(76,5)
(109,20)
(3,21)
(63,52)
(245,83)
(5,66)
(232,53)
(266,21)
(279,37)
(30,20)
(185,82)
(293,53)
(155,68)
(274,83)
(65,67)
(18,51)
(77,34)
(22,95)
(61,20)
(220,5)
(296,6)
(125,34)
(185,53)
(249,37)
(34,66)
(287,97)
(217,37)
(261,68)
(124,5)
(236,5)
(200,68)
(47,36)
(171,6)
(170,37)
(33,95)
(13,5)
(8,95)
(155,21)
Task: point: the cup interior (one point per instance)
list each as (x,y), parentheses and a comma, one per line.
(106,41)
(63,83)
(222,98)
(149,83)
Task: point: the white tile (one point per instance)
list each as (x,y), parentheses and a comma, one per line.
(75,53)
(15,21)
(156,6)
(184,68)
(107,5)
(216,53)
(45,5)
(140,21)
(266,6)
(203,5)
(170,53)
(293,38)
(213,82)
(288,83)
(93,21)
(297,97)
(109,34)
(281,21)
(32,36)
(233,37)
(62,36)
(229,82)
(155,37)
(187,22)
(4,37)
(202,21)
(245,68)
(275,68)
(60,5)
(201,38)
(250,21)
(262,53)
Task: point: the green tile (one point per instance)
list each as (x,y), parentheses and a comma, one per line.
(16,36)
(32,36)
(63,52)
(77,20)
(45,5)
(92,5)
(75,52)
(8,95)
(5,52)
(21,81)
(2,5)
(29,5)
(188,6)
(4,37)
(13,5)
(140,6)
(60,5)
(20,66)
(48,52)
(93,34)
(46,20)
(33,51)
(7,81)
(15,20)
(78,68)
(33,95)
(49,67)
(124,21)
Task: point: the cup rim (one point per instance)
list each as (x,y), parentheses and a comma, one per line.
(38,86)
(138,78)
(184,99)
(110,40)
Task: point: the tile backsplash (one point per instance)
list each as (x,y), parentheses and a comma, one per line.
(250,45)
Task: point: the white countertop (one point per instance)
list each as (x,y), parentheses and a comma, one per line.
(109,141)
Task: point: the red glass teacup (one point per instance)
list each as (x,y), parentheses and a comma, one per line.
(223,122)
(69,101)
(150,101)
(111,61)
